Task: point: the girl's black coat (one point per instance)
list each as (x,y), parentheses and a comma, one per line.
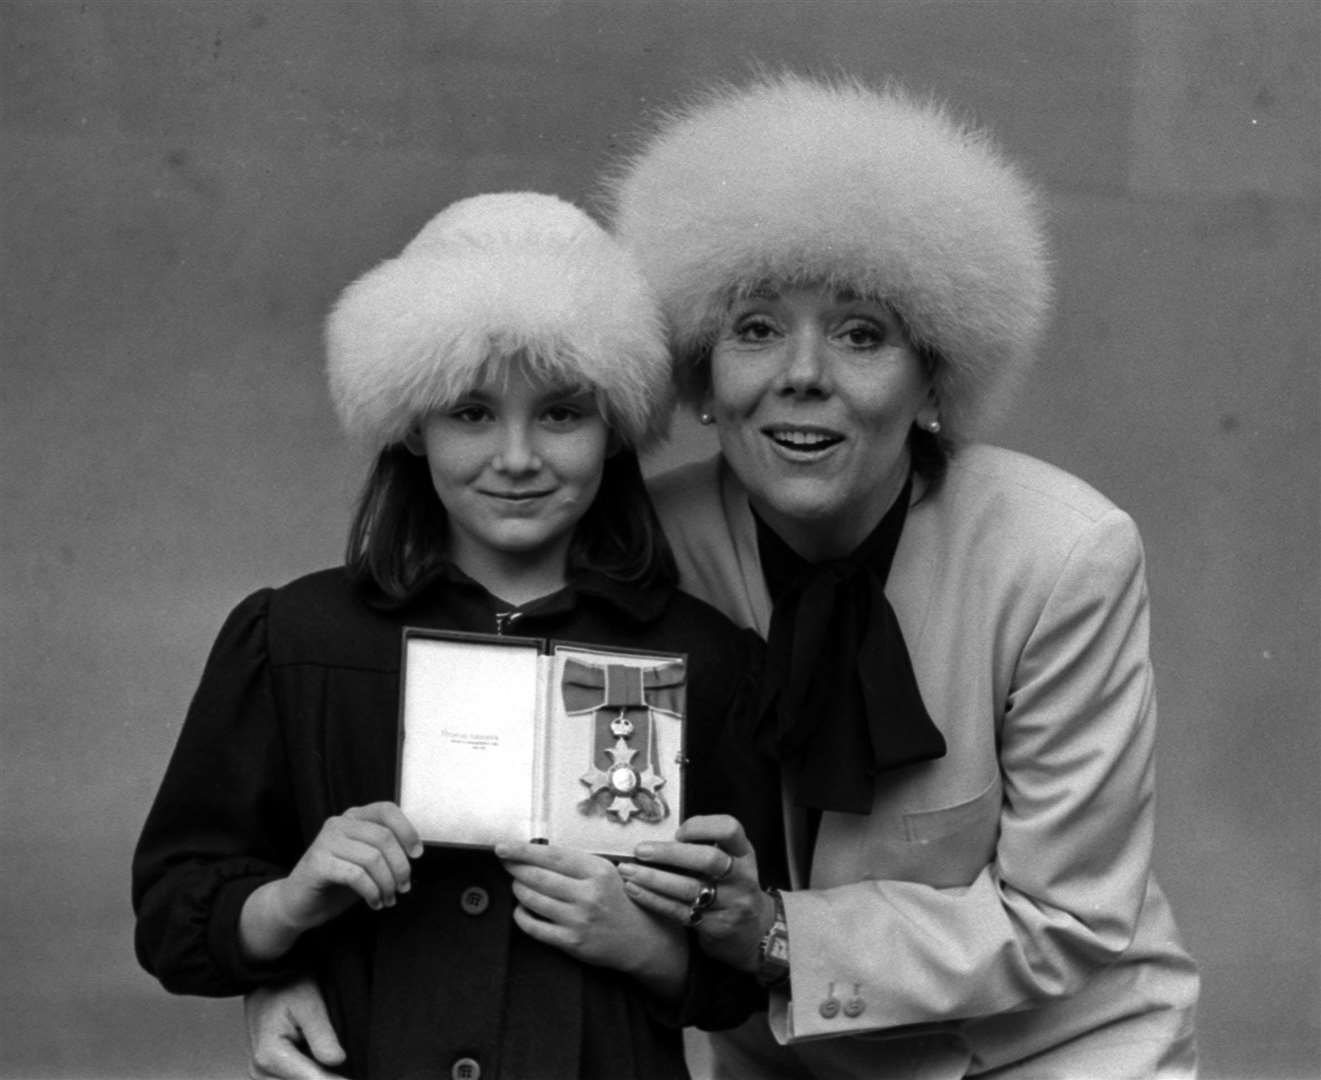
(295,721)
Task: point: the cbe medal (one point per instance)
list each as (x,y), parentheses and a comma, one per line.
(623,780)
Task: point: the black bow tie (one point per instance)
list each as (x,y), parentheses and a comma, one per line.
(840,703)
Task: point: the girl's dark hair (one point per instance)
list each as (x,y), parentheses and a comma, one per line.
(397,536)
(397,539)
(620,536)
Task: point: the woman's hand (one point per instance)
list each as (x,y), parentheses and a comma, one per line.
(289,1033)
(576,902)
(362,854)
(709,853)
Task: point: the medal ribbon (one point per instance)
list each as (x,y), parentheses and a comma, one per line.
(622,686)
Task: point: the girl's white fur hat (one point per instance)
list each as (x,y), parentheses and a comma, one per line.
(797,181)
(516,274)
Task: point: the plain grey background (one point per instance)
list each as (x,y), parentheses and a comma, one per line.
(186,186)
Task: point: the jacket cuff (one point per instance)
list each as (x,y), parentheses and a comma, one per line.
(226,945)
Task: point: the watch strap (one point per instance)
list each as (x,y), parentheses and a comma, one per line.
(773,951)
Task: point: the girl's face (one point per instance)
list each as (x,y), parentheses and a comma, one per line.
(516,462)
(814,394)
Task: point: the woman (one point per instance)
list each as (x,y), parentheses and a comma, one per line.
(853,280)
(961,696)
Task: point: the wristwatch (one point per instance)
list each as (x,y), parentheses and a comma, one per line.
(773,952)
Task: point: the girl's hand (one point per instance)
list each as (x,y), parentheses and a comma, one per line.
(575,902)
(361,854)
(710,852)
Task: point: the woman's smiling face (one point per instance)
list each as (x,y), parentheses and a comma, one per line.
(814,393)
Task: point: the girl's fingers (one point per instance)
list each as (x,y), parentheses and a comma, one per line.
(365,870)
(574,878)
(658,903)
(355,833)
(364,851)
(378,871)
(546,882)
(560,860)
(389,815)
(548,933)
(681,888)
(559,873)
(542,905)
(334,870)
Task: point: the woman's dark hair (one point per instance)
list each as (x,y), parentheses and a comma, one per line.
(930,456)
(929,451)
(397,539)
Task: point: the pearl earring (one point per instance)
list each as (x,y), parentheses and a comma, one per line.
(932,425)
(706,419)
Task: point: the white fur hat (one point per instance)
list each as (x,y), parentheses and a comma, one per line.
(793,180)
(489,278)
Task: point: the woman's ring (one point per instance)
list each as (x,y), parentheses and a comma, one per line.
(706,897)
(728,867)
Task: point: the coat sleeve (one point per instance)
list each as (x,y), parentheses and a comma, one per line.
(221,825)
(1062,895)
(728,775)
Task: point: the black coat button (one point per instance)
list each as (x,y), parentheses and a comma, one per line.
(474,901)
(466,1068)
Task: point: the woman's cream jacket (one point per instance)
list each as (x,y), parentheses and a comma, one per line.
(996,910)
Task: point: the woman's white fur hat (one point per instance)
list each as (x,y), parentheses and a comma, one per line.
(793,180)
(490,278)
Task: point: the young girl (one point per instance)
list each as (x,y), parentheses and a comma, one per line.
(507,367)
